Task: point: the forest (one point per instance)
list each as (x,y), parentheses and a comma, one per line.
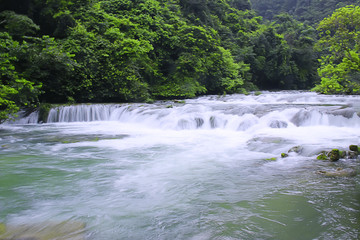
(76,51)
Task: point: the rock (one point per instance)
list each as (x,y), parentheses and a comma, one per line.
(278,124)
(301,117)
(338,173)
(353,155)
(284,155)
(334,155)
(297,149)
(354,148)
(343,154)
(271,159)
(322,156)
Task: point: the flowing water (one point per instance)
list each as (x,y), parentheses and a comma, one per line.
(205,168)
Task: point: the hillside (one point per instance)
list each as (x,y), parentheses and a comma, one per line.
(312,11)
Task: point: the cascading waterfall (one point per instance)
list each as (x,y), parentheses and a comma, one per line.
(204,114)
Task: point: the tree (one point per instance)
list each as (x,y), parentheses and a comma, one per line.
(15,91)
(340,41)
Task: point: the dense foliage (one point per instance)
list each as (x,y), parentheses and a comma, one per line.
(312,11)
(340,40)
(59,51)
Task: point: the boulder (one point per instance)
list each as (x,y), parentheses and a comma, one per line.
(354,148)
(322,156)
(334,155)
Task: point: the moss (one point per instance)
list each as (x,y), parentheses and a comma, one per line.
(271,159)
(257,93)
(322,156)
(342,154)
(284,155)
(44,110)
(334,155)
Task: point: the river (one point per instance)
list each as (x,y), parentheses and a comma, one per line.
(204,168)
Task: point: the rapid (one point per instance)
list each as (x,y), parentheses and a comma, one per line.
(203,168)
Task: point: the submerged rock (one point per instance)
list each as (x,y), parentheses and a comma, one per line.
(51,230)
(301,117)
(278,124)
(347,113)
(296,149)
(284,155)
(353,155)
(338,173)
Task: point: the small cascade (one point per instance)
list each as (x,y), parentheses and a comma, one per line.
(81,113)
(25,118)
(316,118)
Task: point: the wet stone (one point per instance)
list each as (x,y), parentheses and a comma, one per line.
(354,148)
(334,155)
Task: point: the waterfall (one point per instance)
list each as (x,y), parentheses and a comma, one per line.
(232,112)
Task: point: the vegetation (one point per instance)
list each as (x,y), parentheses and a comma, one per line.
(311,11)
(340,40)
(67,51)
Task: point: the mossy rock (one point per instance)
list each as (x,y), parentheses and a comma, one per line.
(322,156)
(334,155)
(354,148)
(271,159)
(284,155)
(343,154)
